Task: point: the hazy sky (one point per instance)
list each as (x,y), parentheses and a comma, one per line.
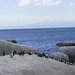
(37,13)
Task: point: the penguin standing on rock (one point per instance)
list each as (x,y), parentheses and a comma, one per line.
(23,52)
(11,55)
(20,53)
(40,55)
(14,52)
(43,54)
(3,53)
(54,58)
(47,56)
(30,53)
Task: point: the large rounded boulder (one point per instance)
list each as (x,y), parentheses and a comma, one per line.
(8,47)
(70,51)
(60,56)
(67,43)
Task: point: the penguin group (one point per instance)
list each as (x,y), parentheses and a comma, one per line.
(22,53)
(43,55)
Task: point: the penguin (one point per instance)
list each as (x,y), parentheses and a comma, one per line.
(54,58)
(14,52)
(3,53)
(47,56)
(40,55)
(43,54)
(11,55)
(20,53)
(23,52)
(30,53)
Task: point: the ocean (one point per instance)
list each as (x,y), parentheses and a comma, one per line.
(43,39)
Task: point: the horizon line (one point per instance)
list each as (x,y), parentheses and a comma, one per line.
(34,28)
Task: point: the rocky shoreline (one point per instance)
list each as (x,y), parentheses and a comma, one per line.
(34,63)
(68,48)
(8,47)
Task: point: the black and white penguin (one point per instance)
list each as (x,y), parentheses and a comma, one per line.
(40,55)
(54,58)
(20,53)
(23,52)
(43,54)
(14,52)
(30,53)
(3,53)
(47,56)
(11,55)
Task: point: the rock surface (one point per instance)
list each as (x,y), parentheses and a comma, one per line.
(8,47)
(70,51)
(60,56)
(68,43)
(33,65)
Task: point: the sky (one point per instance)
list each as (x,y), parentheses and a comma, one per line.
(18,14)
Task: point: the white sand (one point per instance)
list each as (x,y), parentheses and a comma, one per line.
(33,65)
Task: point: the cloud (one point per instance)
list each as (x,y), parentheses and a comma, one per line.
(72,3)
(18,20)
(26,2)
(40,2)
(47,3)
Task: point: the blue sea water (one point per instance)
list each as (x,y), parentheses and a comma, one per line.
(43,39)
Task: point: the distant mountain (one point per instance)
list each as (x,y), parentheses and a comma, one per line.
(41,25)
